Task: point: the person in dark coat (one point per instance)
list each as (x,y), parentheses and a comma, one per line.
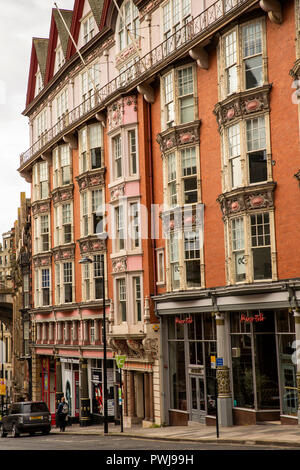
(62,413)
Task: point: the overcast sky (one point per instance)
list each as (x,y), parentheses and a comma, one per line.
(20,21)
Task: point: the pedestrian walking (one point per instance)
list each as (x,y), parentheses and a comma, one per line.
(62,414)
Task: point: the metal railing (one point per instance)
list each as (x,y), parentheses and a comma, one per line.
(137,72)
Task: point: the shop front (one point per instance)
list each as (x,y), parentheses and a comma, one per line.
(249,354)
(263,372)
(71,386)
(95,371)
(48,378)
(191,345)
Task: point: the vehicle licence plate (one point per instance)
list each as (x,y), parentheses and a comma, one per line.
(35,417)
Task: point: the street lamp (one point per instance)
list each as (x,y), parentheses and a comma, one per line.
(87,260)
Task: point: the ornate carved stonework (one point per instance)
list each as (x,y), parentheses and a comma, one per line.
(64,253)
(115,114)
(42,260)
(135,348)
(40,207)
(247,199)
(242,104)
(62,194)
(179,135)
(151,347)
(92,243)
(119,264)
(117,192)
(182,217)
(90,179)
(223,379)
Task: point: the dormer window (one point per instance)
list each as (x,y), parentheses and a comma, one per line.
(38,83)
(59,58)
(88,27)
(129,24)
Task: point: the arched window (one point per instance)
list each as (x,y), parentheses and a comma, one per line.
(128,24)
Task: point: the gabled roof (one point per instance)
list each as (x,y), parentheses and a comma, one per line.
(38,58)
(57,29)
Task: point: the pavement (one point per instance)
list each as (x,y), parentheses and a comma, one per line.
(269,433)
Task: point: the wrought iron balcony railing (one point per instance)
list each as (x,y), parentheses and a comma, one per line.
(184,38)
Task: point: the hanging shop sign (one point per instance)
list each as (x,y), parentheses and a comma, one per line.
(252,319)
(120,360)
(183,321)
(2,387)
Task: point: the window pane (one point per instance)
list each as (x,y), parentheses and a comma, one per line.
(252,39)
(242,371)
(177,375)
(258,166)
(262,263)
(253,71)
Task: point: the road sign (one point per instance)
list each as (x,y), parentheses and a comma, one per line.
(120,360)
(213,362)
(219,361)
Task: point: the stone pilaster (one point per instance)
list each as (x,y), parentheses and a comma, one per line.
(222,375)
(85,416)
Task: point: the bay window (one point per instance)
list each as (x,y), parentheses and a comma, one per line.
(40,181)
(256,148)
(92,212)
(192,259)
(122,299)
(137,298)
(61,166)
(67,282)
(91,147)
(178,108)
(242,51)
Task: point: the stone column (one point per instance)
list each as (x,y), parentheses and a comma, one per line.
(67,332)
(125,382)
(44,332)
(132,409)
(146,396)
(85,416)
(223,376)
(75,335)
(59,332)
(85,332)
(38,332)
(59,389)
(51,336)
(151,404)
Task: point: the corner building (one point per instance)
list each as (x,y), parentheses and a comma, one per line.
(172,160)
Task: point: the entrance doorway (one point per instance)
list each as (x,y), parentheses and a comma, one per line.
(197,396)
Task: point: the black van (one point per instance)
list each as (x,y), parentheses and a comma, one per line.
(26,417)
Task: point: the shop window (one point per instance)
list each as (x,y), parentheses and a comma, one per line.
(178,396)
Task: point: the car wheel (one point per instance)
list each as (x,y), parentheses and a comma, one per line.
(2,432)
(14,431)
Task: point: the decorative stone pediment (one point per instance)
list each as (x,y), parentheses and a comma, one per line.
(62,194)
(40,207)
(242,104)
(42,260)
(247,199)
(91,243)
(119,265)
(64,252)
(92,178)
(179,135)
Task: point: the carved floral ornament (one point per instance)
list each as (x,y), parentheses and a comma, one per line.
(119,265)
(91,179)
(40,207)
(91,244)
(62,194)
(144,349)
(42,260)
(63,253)
(247,200)
(117,192)
(178,218)
(242,104)
(177,136)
